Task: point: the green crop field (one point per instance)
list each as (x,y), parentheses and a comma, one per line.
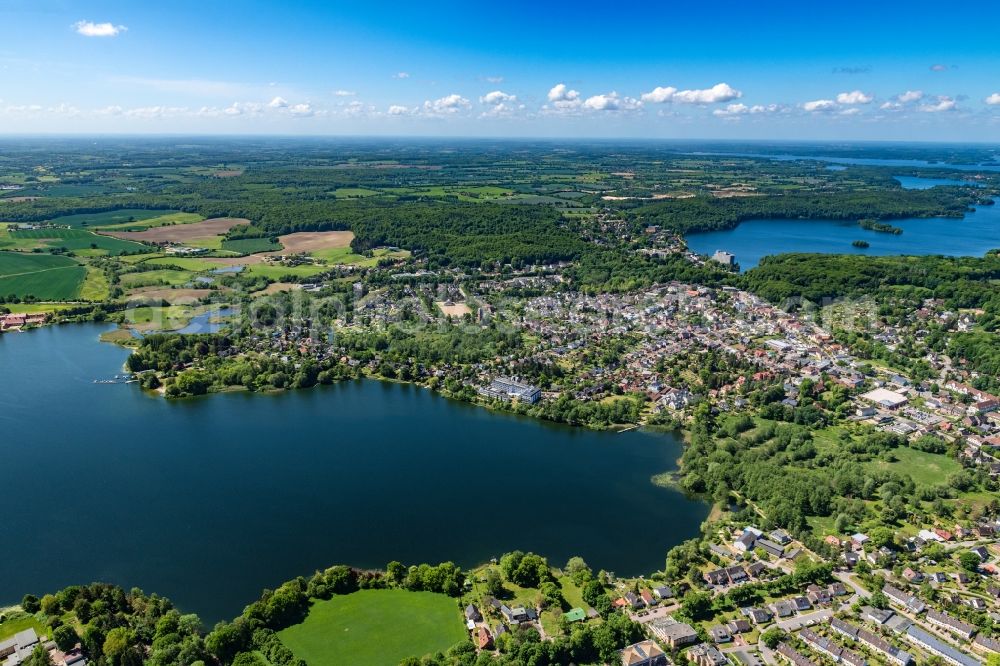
(375,627)
(44,276)
(251,245)
(124,216)
(78,239)
(162,219)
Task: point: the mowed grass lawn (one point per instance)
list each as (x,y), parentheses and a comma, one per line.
(375,628)
(45,276)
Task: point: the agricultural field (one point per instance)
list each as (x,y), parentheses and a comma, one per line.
(375,627)
(181,233)
(44,276)
(250,245)
(155,278)
(315,241)
(123,216)
(160,221)
(77,240)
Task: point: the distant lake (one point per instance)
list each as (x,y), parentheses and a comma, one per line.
(860,161)
(922,183)
(973,235)
(210,500)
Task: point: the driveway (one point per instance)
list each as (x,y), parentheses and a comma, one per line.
(805,619)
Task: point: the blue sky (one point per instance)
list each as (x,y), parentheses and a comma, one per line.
(787,70)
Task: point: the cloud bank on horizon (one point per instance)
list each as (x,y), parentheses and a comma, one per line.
(192,67)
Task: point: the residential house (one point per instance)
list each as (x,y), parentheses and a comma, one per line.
(483,638)
(673,633)
(874,615)
(904,599)
(663,592)
(818,595)
(745,542)
(782,608)
(793,656)
(15,650)
(987,643)
(472,613)
(720,634)
(951,624)
(643,653)
(872,640)
(802,604)
(704,654)
(758,616)
(770,547)
(739,626)
(945,651)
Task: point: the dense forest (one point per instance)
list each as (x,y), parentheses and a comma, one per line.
(710,213)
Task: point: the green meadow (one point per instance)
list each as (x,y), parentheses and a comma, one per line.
(375,627)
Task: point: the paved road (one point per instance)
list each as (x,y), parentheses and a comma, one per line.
(846,579)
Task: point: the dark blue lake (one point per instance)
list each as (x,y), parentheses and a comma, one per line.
(922,183)
(208,501)
(973,235)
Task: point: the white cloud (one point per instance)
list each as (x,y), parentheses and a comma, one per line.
(993,99)
(497,97)
(357,108)
(495,80)
(736,110)
(939,68)
(611,102)
(902,100)
(562,99)
(943,103)
(150,112)
(854,97)
(819,105)
(659,95)
(278,103)
(398,110)
(720,92)
(91,29)
(450,104)
(500,104)
(303,110)
(853,111)
(401,75)
(560,93)
(345,93)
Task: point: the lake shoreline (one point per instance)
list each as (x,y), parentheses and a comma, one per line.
(301,479)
